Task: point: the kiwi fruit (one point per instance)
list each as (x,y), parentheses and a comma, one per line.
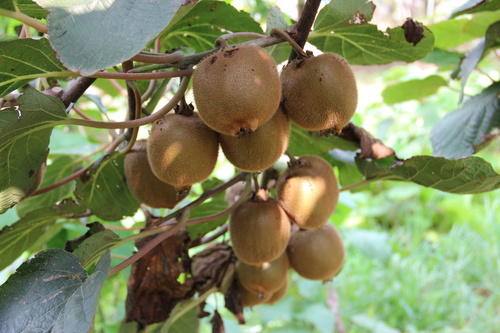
(278,294)
(319,92)
(182,150)
(143,183)
(308,191)
(316,254)
(249,299)
(262,148)
(237,89)
(265,278)
(259,229)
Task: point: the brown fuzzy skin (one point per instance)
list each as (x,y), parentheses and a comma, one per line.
(259,230)
(319,92)
(266,278)
(261,149)
(237,89)
(279,294)
(316,254)
(143,183)
(182,150)
(308,192)
(249,299)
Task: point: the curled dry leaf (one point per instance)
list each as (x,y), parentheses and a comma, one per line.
(153,286)
(370,146)
(233,302)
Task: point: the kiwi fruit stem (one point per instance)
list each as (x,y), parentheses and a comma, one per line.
(300,51)
(293,159)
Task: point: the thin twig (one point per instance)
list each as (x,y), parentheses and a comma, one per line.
(76,90)
(158,58)
(142,76)
(305,24)
(25,19)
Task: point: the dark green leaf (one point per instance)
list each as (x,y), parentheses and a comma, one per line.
(199,25)
(92,36)
(303,142)
(79,310)
(207,209)
(413,89)
(24,234)
(93,247)
(24,141)
(474,6)
(103,190)
(342,27)
(62,167)
(28,7)
(457,133)
(452,33)
(276,19)
(471,59)
(34,296)
(24,60)
(465,176)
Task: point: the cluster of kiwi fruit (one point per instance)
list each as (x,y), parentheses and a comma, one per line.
(245,108)
(270,235)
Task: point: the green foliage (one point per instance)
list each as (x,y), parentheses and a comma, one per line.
(418,260)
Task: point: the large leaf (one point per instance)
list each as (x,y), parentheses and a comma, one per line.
(342,27)
(464,176)
(24,60)
(303,142)
(452,33)
(472,58)
(413,89)
(198,25)
(24,141)
(456,135)
(474,6)
(90,36)
(51,289)
(62,166)
(24,235)
(104,191)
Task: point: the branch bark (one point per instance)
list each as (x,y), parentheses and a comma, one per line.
(304,24)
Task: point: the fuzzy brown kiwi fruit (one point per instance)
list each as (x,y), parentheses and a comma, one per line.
(259,229)
(278,294)
(265,278)
(249,299)
(237,89)
(262,148)
(308,191)
(316,254)
(143,183)
(182,150)
(319,92)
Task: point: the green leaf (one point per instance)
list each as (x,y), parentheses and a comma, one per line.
(475,6)
(457,134)
(24,60)
(93,248)
(103,189)
(187,323)
(470,61)
(303,142)
(206,209)
(452,33)
(79,310)
(276,19)
(465,176)
(24,140)
(24,234)
(413,89)
(51,289)
(92,36)
(344,161)
(62,167)
(198,25)
(342,27)
(28,7)
(443,58)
